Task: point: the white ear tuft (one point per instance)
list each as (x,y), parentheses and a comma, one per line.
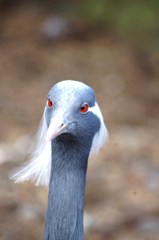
(102,136)
(39,167)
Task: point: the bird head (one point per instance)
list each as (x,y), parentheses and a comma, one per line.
(71,114)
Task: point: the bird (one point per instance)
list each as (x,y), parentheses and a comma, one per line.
(71,130)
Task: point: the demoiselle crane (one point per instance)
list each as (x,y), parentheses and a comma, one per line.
(72,129)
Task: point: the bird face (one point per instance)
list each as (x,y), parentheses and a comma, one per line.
(69,112)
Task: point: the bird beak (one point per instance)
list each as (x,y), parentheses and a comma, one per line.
(55,129)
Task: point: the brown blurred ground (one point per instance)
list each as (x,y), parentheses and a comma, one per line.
(122,195)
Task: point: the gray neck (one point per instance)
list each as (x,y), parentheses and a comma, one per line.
(64,220)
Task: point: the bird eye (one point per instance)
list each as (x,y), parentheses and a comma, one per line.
(84,108)
(49,103)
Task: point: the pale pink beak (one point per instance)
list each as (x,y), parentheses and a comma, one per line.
(55,129)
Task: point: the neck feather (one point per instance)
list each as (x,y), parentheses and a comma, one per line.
(64,220)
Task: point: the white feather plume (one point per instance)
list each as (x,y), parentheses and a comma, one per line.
(39,167)
(102,136)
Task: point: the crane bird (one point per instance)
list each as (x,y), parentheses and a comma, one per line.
(72,129)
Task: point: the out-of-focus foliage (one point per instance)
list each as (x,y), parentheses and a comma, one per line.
(135,21)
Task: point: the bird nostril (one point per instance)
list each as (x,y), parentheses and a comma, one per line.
(62,125)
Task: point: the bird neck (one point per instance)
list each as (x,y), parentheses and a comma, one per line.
(64,220)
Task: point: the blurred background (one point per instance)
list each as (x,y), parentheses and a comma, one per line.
(114,47)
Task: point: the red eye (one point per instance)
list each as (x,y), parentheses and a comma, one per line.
(84,108)
(49,103)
